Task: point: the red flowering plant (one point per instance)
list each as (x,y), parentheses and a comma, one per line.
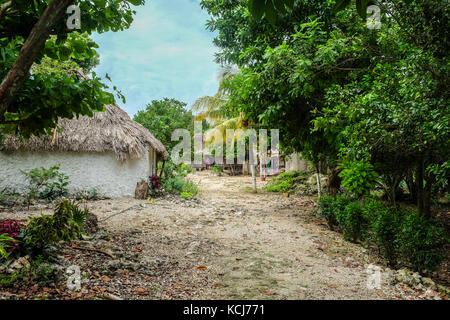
(154,181)
(13,229)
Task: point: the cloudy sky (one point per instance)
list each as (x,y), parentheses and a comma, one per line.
(167,52)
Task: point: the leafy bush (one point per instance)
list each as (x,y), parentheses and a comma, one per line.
(9,198)
(401,235)
(217,169)
(48,184)
(172,170)
(155,181)
(190,189)
(358,177)
(384,227)
(12,229)
(80,216)
(181,186)
(173,185)
(65,225)
(422,242)
(6,242)
(282,183)
(351,221)
(185,169)
(327,210)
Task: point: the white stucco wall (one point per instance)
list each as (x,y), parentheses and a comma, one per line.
(102,171)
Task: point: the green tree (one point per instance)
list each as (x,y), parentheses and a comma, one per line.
(339,91)
(31,102)
(162,117)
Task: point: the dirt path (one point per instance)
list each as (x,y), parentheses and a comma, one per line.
(254,246)
(228,244)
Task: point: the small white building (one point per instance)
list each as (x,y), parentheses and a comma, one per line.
(109,152)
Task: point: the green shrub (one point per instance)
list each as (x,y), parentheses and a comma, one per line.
(66,224)
(5,243)
(172,170)
(384,227)
(351,220)
(327,210)
(422,242)
(401,235)
(10,198)
(283,182)
(217,169)
(173,185)
(174,180)
(80,216)
(189,187)
(184,169)
(358,177)
(48,184)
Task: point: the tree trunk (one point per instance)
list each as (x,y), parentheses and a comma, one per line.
(319,187)
(419,182)
(334,181)
(427,195)
(412,188)
(162,169)
(30,51)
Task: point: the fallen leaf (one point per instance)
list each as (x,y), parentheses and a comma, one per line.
(106,278)
(142,291)
(268,292)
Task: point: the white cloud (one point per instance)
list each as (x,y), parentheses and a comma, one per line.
(167,52)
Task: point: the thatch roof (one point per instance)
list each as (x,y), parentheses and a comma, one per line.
(111,130)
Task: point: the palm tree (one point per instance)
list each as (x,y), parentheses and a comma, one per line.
(212,108)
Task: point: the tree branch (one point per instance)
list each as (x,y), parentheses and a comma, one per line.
(5,7)
(30,51)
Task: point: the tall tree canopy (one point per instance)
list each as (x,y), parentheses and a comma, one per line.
(343,93)
(162,117)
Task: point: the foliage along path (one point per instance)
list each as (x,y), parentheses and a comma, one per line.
(228,244)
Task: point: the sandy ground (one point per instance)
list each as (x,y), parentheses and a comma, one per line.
(230,243)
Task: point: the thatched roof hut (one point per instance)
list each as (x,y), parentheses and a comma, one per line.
(111,130)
